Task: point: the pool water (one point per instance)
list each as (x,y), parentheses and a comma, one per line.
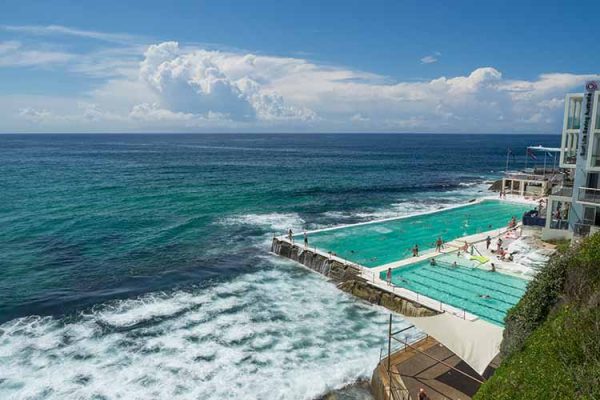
(380,243)
(462,286)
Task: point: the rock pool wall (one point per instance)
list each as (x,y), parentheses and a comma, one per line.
(349,279)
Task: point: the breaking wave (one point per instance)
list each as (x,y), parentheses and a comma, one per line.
(278,333)
(280,222)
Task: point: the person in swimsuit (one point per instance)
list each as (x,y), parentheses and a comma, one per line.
(388,276)
(415,250)
(439,244)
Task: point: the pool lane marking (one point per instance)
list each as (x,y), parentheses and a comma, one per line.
(468,300)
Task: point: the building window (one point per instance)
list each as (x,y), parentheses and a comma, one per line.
(596,149)
(574,113)
(597,124)
(591,216)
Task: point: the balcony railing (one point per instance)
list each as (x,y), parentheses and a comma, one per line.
(582,229)
(559,224)
(570,157)
(589,195)
(526,177)
(565,191)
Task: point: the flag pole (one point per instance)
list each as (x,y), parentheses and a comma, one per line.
(507,154)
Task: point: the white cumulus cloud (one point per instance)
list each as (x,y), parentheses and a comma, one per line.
(169,87)
(199,82)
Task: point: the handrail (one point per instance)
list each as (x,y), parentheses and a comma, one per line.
(588,194)
(526,176)
(440,361)
(565,191)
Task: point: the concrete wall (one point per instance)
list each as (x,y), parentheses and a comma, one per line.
(556,234)
(330,268)
(349,279)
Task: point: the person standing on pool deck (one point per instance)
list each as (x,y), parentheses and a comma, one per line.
(488,242)
(305,239)
(499,244)
(388,276)
(415,250)
(290,235)
(438,244)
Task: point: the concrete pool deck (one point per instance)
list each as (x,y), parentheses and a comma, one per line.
(372,274)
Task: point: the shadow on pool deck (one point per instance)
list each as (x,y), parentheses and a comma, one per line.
(415,369)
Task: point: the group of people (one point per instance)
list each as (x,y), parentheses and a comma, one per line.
(439,245)
(291,237)
(500,251)
(433,263)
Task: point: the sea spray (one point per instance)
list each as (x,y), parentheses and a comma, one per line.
(278,333)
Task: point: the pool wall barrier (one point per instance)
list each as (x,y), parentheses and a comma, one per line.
(349,279)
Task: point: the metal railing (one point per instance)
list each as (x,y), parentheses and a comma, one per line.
(565,191)
(591,195)
(559,224)
(396,389)
(526,176)
(582,229)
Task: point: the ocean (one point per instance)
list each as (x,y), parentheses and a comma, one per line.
(137,266)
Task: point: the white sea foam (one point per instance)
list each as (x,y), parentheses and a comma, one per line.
(280,333)
(277,222)
(426,202)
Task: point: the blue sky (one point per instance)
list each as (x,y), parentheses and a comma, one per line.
(419,66)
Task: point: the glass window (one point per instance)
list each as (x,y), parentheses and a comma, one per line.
(597,124)
(574,113)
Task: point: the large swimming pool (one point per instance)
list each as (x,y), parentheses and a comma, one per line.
(486,294)
(379,243)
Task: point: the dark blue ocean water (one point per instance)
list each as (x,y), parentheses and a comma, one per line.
(125,255)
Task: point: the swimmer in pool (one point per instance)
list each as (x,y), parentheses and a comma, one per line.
(485,296)
(432,262)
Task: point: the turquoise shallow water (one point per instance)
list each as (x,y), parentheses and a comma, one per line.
(462,286)
(383,242)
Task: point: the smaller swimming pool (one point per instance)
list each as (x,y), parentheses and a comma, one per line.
(489,295)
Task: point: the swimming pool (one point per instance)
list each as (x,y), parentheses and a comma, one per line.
(380,243)
(462,286)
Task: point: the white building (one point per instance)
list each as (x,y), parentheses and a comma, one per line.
(574,207)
